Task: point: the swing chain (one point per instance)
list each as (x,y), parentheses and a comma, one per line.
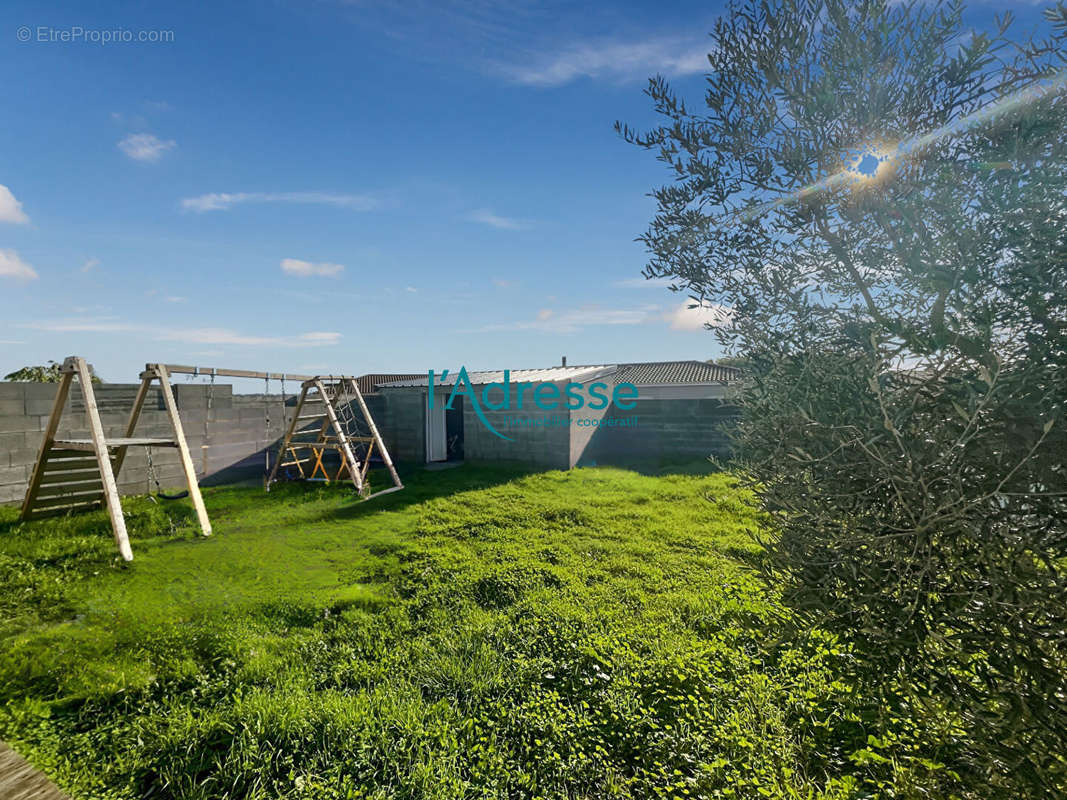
(266,423)
(207,418)
(151,476)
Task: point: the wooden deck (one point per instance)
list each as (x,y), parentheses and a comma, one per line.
(20,781)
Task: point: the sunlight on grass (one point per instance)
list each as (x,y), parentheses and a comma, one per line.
(484,633)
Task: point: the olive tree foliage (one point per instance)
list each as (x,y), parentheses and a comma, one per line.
(49,373)
(906,336)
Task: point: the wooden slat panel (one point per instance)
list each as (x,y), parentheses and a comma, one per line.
(60,401)
(42,513)
(80,487)
(70,476)
(83,445)
(71,464)
(57,454)
(73,498)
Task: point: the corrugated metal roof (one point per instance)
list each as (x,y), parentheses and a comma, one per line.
(680,372)
(481,377)
(368,383)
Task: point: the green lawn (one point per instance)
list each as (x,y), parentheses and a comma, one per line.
(484,633)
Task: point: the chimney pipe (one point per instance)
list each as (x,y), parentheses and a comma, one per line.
(564,361)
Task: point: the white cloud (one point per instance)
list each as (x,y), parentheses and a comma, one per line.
(214,336)
(411,289)
(174,299)
(320,337)
(642,283)
(576,319)
(484,216)
(90,263)
(84,325)
(185,335)
(573,320)
(222,201)
(294,266)
(226,336)
(612,60)
(11,266)
(10,208)
(691,317)
(503,283)
(145,146)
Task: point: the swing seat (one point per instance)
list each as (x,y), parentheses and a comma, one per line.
(175,496)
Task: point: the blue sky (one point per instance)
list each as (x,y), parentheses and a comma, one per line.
(336,186)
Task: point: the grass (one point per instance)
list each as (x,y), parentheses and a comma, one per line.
(484,634)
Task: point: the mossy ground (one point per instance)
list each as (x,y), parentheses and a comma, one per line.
(484,633)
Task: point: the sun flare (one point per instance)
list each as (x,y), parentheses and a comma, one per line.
(872,164)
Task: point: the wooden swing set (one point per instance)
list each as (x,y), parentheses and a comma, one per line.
(79,474)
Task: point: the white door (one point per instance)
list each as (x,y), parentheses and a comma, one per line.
(436,435)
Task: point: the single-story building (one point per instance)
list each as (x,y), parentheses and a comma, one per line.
(561,417)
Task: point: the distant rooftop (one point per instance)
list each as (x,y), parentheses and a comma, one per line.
(481,377)
(661,372)
(640,374)
(368,383)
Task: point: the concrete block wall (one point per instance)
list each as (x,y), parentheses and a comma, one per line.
(542,445)
(403,423)
(233,447)
(666,430)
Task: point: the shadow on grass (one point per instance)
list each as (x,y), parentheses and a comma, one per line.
(422,485)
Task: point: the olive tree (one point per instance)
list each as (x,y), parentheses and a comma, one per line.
(879,196)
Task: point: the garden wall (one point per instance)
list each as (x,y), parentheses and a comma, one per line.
(237,439)
(665,430)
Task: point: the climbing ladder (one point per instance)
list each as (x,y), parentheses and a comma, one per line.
(326,419)
(81,474)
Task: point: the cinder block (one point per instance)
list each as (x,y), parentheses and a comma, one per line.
(22,457)
(45,391)
(12,441)
(17,474)
(18,423)
(40,405)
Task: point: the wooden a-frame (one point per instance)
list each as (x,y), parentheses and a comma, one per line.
(67,478)
(333,433)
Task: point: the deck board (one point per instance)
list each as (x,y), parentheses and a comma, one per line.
(20,780)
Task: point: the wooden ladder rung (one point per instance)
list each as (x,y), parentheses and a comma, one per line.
(69,499)
(73,476)
(56,511)
(72,488)
(59,453)
(70,465)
